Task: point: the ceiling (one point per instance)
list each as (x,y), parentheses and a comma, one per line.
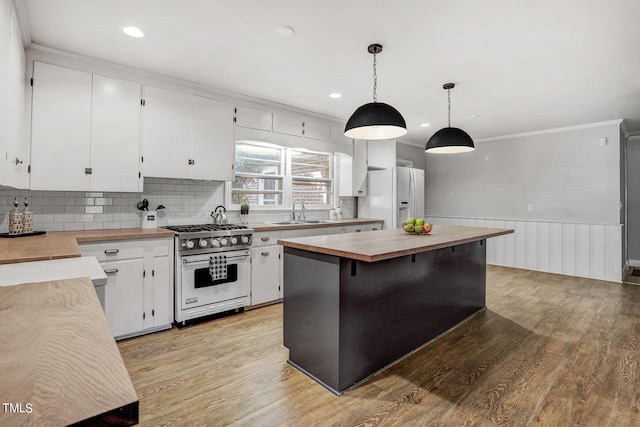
(518,65)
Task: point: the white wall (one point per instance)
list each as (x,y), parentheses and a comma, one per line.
(572,181)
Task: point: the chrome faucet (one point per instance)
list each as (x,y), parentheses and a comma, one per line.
(293,211)
(303,216)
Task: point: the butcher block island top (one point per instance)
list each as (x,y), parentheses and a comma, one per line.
(59,364)
(372,246)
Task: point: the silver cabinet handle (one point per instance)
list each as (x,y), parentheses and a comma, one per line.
(111,251)
(111,270)
(265,253)
(264,239)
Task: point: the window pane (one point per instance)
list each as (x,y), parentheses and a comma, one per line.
(311,165)
(258,159)
(312,192)
(264,189)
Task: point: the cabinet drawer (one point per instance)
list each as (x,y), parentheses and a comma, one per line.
(266,238)
(113,251)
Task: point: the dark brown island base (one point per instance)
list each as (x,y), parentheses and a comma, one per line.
(356,303)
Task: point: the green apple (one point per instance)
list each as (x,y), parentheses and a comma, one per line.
(419,228)
(409,228)
(411,221)
(420,221)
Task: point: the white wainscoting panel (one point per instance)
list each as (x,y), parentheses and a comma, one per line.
(581,250)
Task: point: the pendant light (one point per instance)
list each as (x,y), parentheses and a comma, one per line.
(375,120)
(449,140)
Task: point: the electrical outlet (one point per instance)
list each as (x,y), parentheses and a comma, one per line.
(530,207)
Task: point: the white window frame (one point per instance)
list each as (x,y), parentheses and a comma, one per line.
(287,182)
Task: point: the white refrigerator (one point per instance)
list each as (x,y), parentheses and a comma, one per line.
(393,195)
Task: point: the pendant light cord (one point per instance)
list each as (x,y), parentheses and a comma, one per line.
(449,105)
(375,78)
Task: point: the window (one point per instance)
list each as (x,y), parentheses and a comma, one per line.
(311,177)
(259,175)
(268,175)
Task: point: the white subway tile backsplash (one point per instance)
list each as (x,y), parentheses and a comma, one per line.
(186,202)
(93,209)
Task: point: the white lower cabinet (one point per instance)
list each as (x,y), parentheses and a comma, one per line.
(267,259)
(266,274)
(139,291)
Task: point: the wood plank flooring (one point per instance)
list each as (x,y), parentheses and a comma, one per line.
(549,350)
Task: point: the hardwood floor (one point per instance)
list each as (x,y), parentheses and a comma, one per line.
(549,350)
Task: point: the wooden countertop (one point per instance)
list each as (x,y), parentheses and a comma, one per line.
(266,226)
(64,244)
(58,356)
(378,245)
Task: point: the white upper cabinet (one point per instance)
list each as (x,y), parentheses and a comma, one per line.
(213,146)
(84,131)
(381,154)
(186,136)
(252,118)
(5,39)
(298,126)
(60,128)
(115,135)
(18,141)
(359,167)
(166,133)
(317,130)
(289,125)
(344,174)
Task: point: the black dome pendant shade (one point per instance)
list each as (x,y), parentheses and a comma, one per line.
(375,120)
(449,140)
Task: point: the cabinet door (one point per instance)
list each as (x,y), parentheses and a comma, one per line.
(359,167)
(381,154)
(251,118)
(18,142)
(265,274)
(115,134)
(317,130)
(213,144)
(162,292)
(289,125)
(60,128)
(166,133)
(344,169)
(123,296)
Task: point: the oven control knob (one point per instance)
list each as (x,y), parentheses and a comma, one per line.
(234,240)
(189,244)
(245,239)
(215,243)
(203,243)
(224,242)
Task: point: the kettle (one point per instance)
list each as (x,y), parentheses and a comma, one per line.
(219,215)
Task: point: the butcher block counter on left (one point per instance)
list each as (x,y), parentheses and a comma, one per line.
(59,364)
(64,244)
(356,303)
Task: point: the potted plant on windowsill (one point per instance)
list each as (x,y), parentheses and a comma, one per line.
(244,211)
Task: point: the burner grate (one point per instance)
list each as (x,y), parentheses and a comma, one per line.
(204,227)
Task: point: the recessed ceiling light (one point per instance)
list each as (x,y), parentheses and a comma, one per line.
(284,31)
(335,95)
(134,32)
(424,125)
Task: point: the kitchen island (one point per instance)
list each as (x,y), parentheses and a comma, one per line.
(356,303)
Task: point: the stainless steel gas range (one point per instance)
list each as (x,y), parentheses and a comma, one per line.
(212,269)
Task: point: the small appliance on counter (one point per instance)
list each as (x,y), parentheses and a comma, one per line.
(21,221)
(149,218)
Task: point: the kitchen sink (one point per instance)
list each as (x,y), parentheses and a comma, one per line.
(314,221)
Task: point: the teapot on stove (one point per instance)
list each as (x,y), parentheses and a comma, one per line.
(219,215)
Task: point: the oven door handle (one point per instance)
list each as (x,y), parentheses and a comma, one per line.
(229,258)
